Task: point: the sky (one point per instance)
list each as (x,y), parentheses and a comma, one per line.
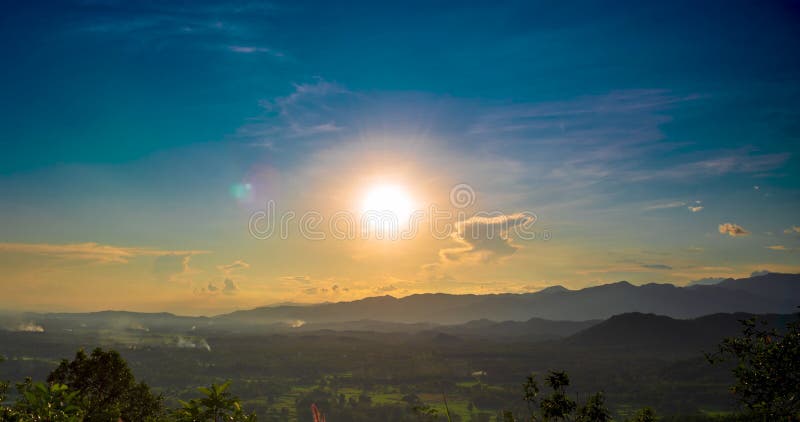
(202,157)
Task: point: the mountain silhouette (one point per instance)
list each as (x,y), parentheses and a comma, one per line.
(770,293)
(661,335)
(553,312)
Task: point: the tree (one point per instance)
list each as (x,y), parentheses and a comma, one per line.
(594,410)
(556,406)
(426,413)
(217,405)
(3,392)
(364,399)
(767,370)
(52,403)
(101,387)
(645,414)
(531,394)
(412,399)
(108,387)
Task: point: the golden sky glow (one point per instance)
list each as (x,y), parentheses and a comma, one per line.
(204,268)
(232,178)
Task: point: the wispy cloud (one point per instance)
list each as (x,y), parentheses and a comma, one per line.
(311,109)
(594,137)
(245,49)
(91,251)
(572,117)
(167,25)
(302,279)
(674,204)
(171,266)
(778,248)
(657,266)
(233,267)
(727,162)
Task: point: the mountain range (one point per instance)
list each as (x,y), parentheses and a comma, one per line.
(551,313)
(768,293)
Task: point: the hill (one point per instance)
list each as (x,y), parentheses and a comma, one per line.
(664,336)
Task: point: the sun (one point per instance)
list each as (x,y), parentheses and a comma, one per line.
(388,201)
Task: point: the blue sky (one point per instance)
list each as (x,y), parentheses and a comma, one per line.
(127,125)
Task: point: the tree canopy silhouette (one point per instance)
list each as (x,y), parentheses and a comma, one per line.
(107,384)
(767,369)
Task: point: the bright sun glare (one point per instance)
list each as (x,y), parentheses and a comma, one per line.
(389,198)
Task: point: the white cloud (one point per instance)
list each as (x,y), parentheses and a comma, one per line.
(793,229)
(733,230)
(485,238)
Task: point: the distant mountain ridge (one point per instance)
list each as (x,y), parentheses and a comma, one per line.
(763,294)
(552,311)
